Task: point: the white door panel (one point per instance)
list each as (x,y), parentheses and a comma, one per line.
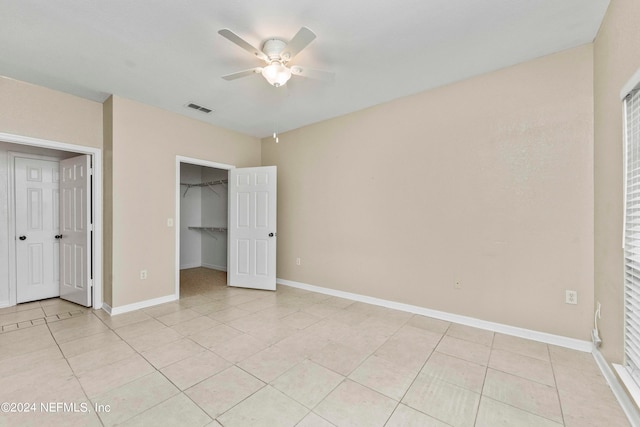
(252,227)
(36,225)
(75,215)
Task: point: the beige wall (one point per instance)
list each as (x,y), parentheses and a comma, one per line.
(487,182)
(616,58)
(145,142)
(140,147)
(38,112)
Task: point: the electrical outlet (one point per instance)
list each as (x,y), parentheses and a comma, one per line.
(169,222)
(571,297)
(143,274)
(297,261)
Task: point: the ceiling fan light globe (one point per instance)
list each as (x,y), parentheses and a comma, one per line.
(276,74)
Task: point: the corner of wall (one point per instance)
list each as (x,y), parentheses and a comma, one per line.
(616,58)
(107,128)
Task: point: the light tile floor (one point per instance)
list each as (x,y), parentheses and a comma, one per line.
(238,357)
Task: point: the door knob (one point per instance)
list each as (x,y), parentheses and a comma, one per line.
(58,236)
(22,237)
(271,234)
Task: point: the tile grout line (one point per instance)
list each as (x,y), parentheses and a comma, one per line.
(180,391)
(444,333)
(345,377)
(555,381)
(516,375)
(518,408)
(156,370)
(129,382)
(484,380)
(236,364)
(73,372)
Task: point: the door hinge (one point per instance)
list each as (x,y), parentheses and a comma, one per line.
(90,171)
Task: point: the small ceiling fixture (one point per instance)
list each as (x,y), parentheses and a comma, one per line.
(277,53)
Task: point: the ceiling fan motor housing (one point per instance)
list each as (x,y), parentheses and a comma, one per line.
(272,48)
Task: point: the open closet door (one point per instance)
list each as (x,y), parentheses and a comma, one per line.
(252,228)
(75,230)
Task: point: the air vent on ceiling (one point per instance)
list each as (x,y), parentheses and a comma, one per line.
(199,108)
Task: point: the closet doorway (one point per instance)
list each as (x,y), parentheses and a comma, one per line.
(249,229)
(203,223)
(50,245)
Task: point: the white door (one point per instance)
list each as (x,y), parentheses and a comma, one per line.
(252,228)
(75,230)
(36,225)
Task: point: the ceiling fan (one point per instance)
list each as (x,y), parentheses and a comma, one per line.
(277,54)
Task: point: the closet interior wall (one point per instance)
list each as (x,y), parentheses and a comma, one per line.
(214,214)
(204,206)
(190,215)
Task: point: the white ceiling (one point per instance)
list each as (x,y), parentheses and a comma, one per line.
(168,53)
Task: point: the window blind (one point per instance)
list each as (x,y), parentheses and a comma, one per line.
(632,234)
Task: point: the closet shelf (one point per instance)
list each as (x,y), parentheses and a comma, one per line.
(206,184)
(209,230)
(209,184)
(218,229)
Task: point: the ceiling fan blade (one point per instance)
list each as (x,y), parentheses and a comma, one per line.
(310,73)
(297,43)
(241,74)
(233,37)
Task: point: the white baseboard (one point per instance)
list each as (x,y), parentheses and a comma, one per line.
(214,267)
(205,265)
(106,307)
(572,343)
(4,304)
(618,390)
(190,265)
(114,311)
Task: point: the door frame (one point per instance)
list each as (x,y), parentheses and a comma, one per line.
(96,189)
(197,162)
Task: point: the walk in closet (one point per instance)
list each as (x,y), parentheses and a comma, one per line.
(203,217)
